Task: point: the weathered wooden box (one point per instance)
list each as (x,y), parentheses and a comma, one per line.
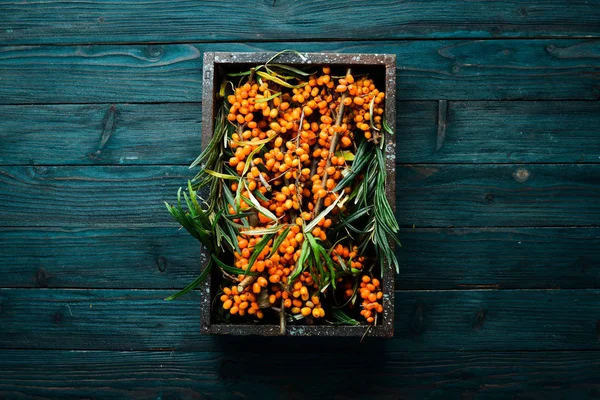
(382,67)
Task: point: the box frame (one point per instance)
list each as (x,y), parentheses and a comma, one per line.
(213,61)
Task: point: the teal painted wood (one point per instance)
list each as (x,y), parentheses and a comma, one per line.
(432,195)
(499,258)
(101,258)
(500,132)
(220,374)
(99,134)
(430,258)
(438,195)
(427,70)
(424,321)
(185,20)
(476,132)
(111,196)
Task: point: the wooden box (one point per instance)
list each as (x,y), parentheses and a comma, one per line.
(383,68)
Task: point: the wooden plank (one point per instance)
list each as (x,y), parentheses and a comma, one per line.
(106,134)
(425,321)
(97,196)
(183,20)
(430,258)
(98,258)
(439,195)
(169,133)
(100,134)
(502,132)
(427,70)
(471,258)
(428,196)
(219,373)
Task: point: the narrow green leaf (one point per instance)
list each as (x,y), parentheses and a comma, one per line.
(264,211)
(220,175)
(343,318)
(280,238)
(262,231)
(271,97)
(291,69)
(201,278)
(235,74)
(260,246)
(322,214)
(348,155)
(232,270)
(278,81)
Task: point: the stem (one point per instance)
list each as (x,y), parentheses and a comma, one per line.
(282,318)
(334,143)
(247,281)
(299,169)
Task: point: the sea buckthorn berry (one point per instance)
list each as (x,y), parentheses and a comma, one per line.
(359,101)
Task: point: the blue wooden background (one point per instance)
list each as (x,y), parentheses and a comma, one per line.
(498,177)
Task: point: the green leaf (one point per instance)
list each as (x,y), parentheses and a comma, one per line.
(291,69)
(201,278)
(245,73)
(260,246)
(361,160)
(348,155)
(262,231)
(278,81)
(220,175)
(264,211)
(322,214)
(259,195)
(301,263)
(232,270)
(271,97)
(343,318)
(280,238)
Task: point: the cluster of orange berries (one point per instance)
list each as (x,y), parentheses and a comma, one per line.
(348,255)
(240,303)
(301,302)
(371,294)
(282,148)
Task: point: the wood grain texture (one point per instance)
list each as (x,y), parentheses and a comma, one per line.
(438,195)
(501,132)
(185,20)
(100,134)
(111,196)
(97,258)
(428,195)
(470,258)
(169,133)
(220,374)
(427,70)
(430,258)
(425,321)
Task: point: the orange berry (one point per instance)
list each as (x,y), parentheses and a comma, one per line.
(256,288)
(359,101)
